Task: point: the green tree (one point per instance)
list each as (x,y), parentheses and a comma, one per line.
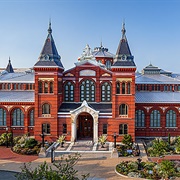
(158,148)
(127,141)
(61,170)
(166,169)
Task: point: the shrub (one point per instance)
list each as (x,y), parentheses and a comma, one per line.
(158,148)
(4,137)
(26,145)
(30,143)
(149,170)
(127,141)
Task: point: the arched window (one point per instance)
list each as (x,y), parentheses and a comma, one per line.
(14,86)
(31,86)
(3,86)
(155,118)
(123,129)
(87,91)
(108,64)
(171,118)
(69,92)
(46,109)
(9,86)
(31,118)
(106,92)
(2,117)
(123,88)
(123,109)
(19,86)
(140,118)
(51,87)
(40,85)
(46,87)
(128,88)
(59,86)
(17,117)
(118,88)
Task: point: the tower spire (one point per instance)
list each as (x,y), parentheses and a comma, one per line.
(101,43)
(49,55)
(49,29)
(123,31)
(9,67)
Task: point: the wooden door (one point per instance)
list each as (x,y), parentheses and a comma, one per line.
(85,127)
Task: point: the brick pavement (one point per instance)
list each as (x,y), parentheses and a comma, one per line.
(7,154)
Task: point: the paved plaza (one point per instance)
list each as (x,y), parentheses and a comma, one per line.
(100,165)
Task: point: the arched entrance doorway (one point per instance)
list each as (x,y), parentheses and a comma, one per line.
(92,114)
(84,126)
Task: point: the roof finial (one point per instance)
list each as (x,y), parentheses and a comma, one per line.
(123,30)
(49,30)
(101,43)
(9,60)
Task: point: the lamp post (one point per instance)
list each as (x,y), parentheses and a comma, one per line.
(7,137)
(114,140)
(42,136)
(139,163)
(12,143)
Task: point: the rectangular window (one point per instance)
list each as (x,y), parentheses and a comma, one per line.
(104,128)
(64,128)
(123,129)
(46,128)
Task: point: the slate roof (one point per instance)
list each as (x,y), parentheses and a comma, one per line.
(16,96)
(102,52)
(156,79)
(49,55)
(48,64)
(157,97)
(123,48)
(124,63)
(102,107)
(22,77)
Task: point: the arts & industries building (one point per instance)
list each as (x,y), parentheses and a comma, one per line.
(102,94)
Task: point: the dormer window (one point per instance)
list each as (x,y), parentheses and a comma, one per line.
(108,64)
(123,57)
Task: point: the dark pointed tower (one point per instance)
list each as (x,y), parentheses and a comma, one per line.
(123,97)
(123,53)
(49,55)
(9,67)
(48,87)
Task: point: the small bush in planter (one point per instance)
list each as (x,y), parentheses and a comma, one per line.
(102,140)
(61,140)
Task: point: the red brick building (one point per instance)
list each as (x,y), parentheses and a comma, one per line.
(102,94)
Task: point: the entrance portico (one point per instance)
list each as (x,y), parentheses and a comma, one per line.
(84,108)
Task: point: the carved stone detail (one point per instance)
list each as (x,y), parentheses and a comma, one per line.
(147,108)
(8,107)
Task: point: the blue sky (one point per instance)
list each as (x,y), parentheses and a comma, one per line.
(152,29)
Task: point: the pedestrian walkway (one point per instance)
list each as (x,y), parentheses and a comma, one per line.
(97,162)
